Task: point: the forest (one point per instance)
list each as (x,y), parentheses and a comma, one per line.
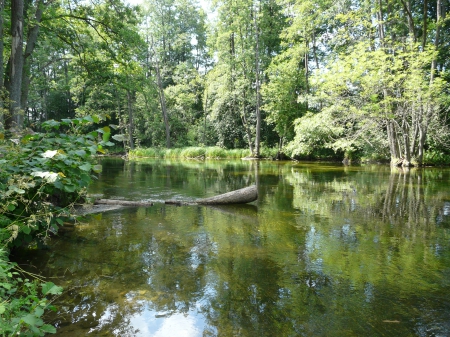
(364,80)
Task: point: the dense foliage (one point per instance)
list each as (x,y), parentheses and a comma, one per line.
(353,79)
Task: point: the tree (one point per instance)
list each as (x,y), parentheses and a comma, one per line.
(381,84)
(246,38)
(176,38)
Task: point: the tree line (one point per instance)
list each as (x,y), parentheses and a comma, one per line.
(354,79)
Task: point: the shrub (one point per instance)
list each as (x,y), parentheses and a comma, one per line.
(44,175)
(23,301)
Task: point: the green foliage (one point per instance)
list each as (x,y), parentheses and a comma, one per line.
(436,158)
(192,153)
(45,175)
(23,302)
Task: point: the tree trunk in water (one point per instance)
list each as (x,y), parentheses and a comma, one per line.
(16,65)
(393,143)
(422,137)
(241,196)
(123,202)
(406,144)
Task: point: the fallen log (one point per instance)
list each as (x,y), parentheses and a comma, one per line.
(241,196)
(122,202)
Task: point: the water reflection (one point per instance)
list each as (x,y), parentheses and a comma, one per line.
(325,251)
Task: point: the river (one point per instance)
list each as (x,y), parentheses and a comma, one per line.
(326,250)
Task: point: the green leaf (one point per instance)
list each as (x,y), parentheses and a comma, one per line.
(32,320)
(26,230)
(69,188)
(85,167)
(59,220)
(48,328)
(97,168)
(106,136)
(11,207)
(49,288)
(38,312)
(2,309)
(119,138)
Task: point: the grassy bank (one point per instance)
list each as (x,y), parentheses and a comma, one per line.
(198,153)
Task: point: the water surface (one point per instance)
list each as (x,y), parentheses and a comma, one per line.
(326,250)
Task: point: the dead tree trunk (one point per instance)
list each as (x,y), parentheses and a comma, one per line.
(241,196)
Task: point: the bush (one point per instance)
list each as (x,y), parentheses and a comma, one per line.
(44,175)
(23,302)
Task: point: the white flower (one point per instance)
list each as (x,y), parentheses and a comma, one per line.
(49,154)
(49,176)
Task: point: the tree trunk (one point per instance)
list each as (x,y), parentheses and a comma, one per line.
(258,94)
(130,119)
(425,24)
(436,37)
(15,65)
(33,33)
(246,125)
(2,69)
(241,196)
(162,100)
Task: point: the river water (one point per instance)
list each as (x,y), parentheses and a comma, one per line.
(326,250)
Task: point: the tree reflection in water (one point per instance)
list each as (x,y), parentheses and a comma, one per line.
(326,251)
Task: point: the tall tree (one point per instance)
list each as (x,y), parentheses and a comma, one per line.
(15,66)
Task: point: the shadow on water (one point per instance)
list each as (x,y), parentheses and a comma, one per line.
(325,251)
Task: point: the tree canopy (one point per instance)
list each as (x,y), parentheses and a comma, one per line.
(316,79)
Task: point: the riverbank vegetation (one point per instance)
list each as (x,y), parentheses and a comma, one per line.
(43,177)
(211,152)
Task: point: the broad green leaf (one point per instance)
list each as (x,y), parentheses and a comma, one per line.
(2,309)
(119,138)
(51,288)
(11,207)
(85,167)
(38,312)
(32,320)
(26,230)
(48,328)
(70,188)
